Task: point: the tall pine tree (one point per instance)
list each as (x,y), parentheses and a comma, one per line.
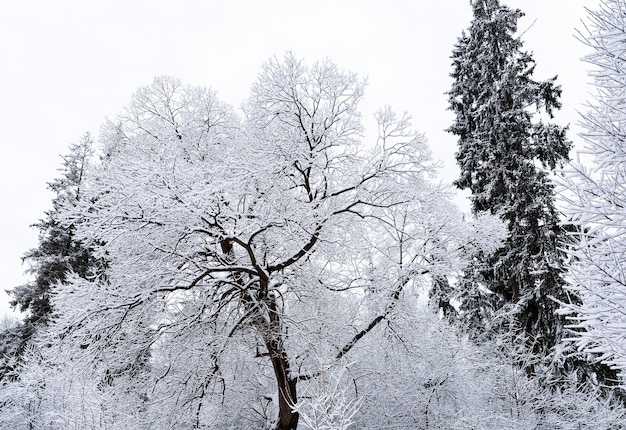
(506,156)
(58,254)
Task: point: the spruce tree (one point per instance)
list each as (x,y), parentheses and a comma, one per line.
(58,254)
(506,156)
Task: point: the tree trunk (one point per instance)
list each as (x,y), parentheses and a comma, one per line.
(271,332)
(287,396)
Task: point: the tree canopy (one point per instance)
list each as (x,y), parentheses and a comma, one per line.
(277,238)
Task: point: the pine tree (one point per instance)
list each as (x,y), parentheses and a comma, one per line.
(506,156)
(57,255)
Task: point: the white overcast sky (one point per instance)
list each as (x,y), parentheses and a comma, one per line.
(66,65)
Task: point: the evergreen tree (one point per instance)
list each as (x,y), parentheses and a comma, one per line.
(506,156)
(57,255)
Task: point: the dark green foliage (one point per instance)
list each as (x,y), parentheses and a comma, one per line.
(10,343)
(506,156)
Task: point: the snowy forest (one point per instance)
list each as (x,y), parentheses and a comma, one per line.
(280,266)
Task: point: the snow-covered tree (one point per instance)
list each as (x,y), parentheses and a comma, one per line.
(59,253)
(245,255)
(596,193)
(506,155)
